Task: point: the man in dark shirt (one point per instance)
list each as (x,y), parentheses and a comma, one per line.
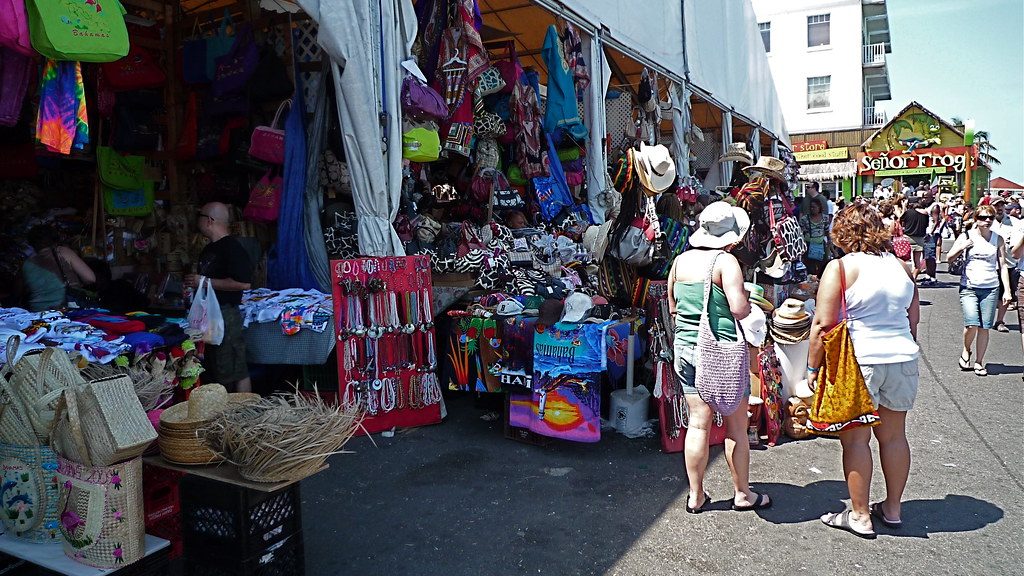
(226,263)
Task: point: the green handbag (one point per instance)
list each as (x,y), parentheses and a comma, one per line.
(78,30)
(120,172)
(128,202)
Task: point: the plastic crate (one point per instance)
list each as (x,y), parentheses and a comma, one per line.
(285,558)
(161,493)
(227,520)
(168,528)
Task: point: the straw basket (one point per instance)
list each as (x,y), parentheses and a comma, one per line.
(39,380)
(179,440)
(101,513)
(114,422)
(28,500)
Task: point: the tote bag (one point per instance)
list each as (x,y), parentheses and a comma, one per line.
(76,30)
(841,398)
(265,199)
(723,368)
(14,33)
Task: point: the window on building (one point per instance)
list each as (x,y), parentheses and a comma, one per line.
(818,92)
(818,30)
(766,35)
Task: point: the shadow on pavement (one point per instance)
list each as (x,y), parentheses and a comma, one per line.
(954,513)
(997,369)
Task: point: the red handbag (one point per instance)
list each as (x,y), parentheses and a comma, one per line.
(901,245)
(268,141)
(265,199)
(138,70)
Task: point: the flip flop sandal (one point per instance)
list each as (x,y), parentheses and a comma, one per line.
(965,363)
(841,521)
(980,370)
(877,512)
(761,503)
(699,509)
(1002,327)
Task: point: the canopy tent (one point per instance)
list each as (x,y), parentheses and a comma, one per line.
(827,171)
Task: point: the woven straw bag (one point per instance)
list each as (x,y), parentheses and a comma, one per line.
(15,427)
(28,502)
(101,513)
(39,380)
(114,422)
(723,368)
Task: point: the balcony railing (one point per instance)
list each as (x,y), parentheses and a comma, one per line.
(874,117)
(874,54)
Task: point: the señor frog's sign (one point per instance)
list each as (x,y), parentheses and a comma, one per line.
(938,159)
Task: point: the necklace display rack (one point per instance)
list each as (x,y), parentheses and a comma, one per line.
(387,346)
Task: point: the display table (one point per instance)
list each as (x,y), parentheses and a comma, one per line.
(51,556)
(266,344)
(227,473)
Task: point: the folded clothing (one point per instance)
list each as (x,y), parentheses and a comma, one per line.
(115,324)
(143,342)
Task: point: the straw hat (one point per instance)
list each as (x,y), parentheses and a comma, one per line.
(179,438)
(720,226)
(655,167)
(767,166)
(792,311)
(757,297)
(738,153)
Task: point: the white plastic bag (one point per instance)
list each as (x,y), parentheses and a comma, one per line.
(204,318)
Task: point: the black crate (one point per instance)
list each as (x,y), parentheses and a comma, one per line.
(285,558)
(227,520)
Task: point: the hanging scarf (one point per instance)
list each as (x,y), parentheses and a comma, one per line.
(462,59)
(431,16)
(526,119)
(572,48)
(63,122)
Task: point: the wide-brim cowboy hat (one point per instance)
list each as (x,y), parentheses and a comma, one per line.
(737,152)
(654,167)
(595,239)
(720,225)
(792,310)
(768,166)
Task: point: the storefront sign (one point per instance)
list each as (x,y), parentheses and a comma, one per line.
(910,171)
(937,160)
(809,146)
(826,154)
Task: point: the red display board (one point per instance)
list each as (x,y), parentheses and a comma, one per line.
(387,348)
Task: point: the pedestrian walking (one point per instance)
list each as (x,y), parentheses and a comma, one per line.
(984,272)
(1008,228)
(879,296)
(721,228)
(815,226)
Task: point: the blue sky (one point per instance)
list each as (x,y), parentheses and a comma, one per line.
(963,58)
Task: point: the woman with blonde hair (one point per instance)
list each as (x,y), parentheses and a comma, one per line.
(983,273)
(879,297)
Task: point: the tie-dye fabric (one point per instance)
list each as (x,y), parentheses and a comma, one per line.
(63,121)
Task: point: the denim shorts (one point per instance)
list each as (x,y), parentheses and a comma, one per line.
(893,386)
(979,306)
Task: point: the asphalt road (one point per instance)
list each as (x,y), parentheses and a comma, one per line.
(458,498)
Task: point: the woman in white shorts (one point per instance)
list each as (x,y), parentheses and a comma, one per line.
(882,314)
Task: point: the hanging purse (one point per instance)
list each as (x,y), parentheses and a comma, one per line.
(265,199)
(489,125)
(76,31)
(901,245)
(786,233)
(219,44)
(138,70)
(271,81)
(505,196)
(14,33)
(421,102)
(234,69)
(723,368)
(841,397)
(268,141)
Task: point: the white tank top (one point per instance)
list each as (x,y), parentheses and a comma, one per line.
(877,304)
(982,269)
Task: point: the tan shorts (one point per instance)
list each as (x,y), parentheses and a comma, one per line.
(893,386)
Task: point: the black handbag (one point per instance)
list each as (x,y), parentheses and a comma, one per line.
(271,81)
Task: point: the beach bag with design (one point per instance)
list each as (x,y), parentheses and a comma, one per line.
(79,30)
(29,493)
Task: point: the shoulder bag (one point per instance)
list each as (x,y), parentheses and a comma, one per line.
(723,368)
(841,397)
(268,141)
(75,30)
(788,236)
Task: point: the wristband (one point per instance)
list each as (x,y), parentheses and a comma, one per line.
(813,370)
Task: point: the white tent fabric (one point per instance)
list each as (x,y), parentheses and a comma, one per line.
(601,76)
(726,59)
(351,34)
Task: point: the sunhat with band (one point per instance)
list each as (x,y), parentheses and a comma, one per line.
(738,153)
(720,224)
(654,167)
(767,166)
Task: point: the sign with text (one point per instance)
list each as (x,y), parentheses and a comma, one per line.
(809,146)
(927,160)
(826,154)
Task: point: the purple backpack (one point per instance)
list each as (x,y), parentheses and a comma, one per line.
(421,102)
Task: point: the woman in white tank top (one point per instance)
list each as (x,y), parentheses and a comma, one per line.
(882,313)
(983,274)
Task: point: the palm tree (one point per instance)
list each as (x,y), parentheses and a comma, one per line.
(981,139)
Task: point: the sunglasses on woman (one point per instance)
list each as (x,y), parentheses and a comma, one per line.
(984,218)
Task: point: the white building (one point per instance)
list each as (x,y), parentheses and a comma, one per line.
(828,60)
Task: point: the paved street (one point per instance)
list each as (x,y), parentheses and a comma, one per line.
(460,499)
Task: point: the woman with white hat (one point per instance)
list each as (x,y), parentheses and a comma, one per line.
(721,228)
(878,294)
